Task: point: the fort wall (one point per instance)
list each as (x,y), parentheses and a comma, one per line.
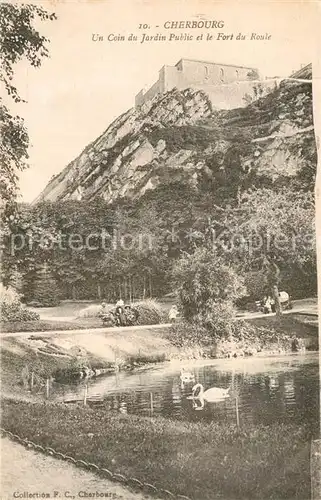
(233,95)
(214,79)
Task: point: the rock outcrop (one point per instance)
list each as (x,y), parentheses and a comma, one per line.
(179,135)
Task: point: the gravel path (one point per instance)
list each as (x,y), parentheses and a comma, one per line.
(29,474)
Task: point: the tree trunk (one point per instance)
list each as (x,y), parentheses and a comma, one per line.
(99,291)
(73,291)
(130,289)
(125,289)
(273,279)
(144,288)
(275,295)
(150,285)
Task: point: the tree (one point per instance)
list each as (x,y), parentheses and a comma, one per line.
(18,39)
(208,290)
(272,277)
(267,222)
(45,291)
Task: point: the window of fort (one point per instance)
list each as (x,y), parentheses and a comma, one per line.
(222,75)
(206,73)
(237,74)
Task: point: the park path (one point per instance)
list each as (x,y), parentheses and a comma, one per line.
(28,471)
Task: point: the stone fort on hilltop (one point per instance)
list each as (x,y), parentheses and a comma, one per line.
(225,84)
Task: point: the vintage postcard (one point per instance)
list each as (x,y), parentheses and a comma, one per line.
(159,303)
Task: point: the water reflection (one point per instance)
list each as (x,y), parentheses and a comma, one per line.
(262,391)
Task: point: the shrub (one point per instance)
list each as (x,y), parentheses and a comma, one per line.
(11,308)
(70,374)
(150,312)
(219,319)
(208,288)
(203,279)
(146,358)
(183,137)
(186,334)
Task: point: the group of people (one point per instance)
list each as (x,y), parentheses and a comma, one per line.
(127,315)
(122,315)
(268,303)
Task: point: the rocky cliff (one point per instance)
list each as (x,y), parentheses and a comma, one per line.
(178,135)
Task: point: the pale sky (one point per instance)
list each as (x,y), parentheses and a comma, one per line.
(85,85)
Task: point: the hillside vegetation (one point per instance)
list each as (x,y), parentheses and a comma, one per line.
(171,177)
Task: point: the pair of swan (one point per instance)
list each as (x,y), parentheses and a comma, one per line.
(212,395)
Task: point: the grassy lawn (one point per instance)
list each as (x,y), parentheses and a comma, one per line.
(47,325)
(64,309)
(287,323)
(291,324)
(202,460)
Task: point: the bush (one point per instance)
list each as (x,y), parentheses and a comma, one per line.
(244,339)
(186,334)
(11,308)
(203,279)
(208,288)
(219,319)
(146,358)
(150,312)
(183,137)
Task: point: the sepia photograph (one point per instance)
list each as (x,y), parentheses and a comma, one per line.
(159,243)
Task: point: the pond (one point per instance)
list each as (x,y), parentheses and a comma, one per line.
(264,390)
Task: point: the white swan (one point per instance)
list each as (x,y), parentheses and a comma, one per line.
(186,376)
(211,395)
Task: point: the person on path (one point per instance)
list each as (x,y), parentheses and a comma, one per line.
(119,313)
(173,313)
(267,305)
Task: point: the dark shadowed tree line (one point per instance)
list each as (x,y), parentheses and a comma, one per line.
(93,250)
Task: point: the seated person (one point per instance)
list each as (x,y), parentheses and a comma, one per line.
(267,305)
(131,315)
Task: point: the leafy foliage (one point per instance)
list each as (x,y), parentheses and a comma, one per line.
(19,39)
(184,137)
(11,308)
(13,153)
(208,288)
(150,312)
(189,334)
